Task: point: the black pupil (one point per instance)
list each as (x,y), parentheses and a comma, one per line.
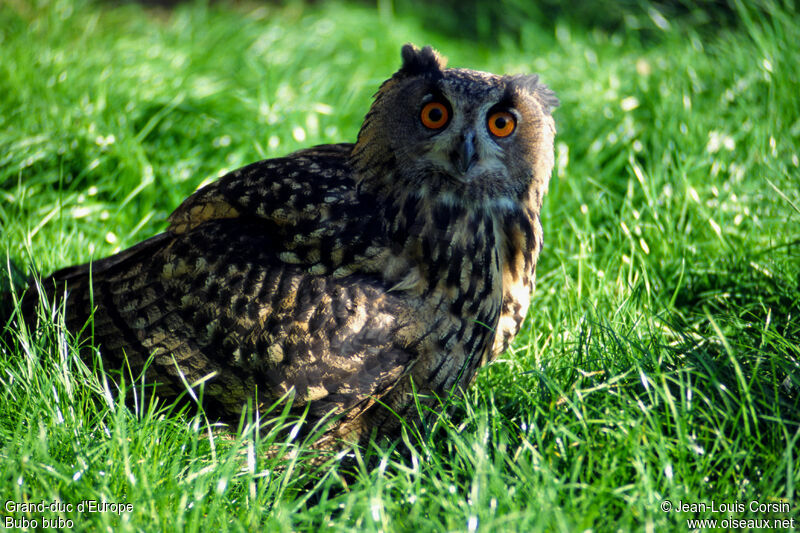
(500,123)
(435,114)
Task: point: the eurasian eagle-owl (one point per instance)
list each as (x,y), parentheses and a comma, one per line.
(341,273)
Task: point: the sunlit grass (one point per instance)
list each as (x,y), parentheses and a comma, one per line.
(659,359)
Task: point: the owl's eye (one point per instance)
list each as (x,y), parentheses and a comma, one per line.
(434,115)
(502,123)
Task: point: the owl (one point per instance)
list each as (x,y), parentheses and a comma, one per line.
(349,278)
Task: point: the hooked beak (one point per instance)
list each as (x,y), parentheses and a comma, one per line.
(465,157)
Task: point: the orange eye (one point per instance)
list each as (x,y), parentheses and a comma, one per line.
(502,123)
(434,115)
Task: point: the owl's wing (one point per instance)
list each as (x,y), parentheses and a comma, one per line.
(307,202)
(291,194)
(213,300)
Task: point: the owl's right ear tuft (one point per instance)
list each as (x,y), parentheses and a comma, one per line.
(423,62)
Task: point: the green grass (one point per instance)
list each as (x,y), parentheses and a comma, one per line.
(660,357)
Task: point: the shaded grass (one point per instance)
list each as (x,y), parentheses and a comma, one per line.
(659,360)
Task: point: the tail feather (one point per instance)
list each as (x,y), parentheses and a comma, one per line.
(102,265)
(21,295)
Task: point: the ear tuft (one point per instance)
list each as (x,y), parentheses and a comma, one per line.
(531,84)
(423,62)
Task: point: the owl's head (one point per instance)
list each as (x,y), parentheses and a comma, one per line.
(471,135)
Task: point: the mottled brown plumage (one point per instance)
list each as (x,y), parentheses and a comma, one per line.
(341,273)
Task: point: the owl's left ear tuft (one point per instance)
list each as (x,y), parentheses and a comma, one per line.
(531,84)
(418,62)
